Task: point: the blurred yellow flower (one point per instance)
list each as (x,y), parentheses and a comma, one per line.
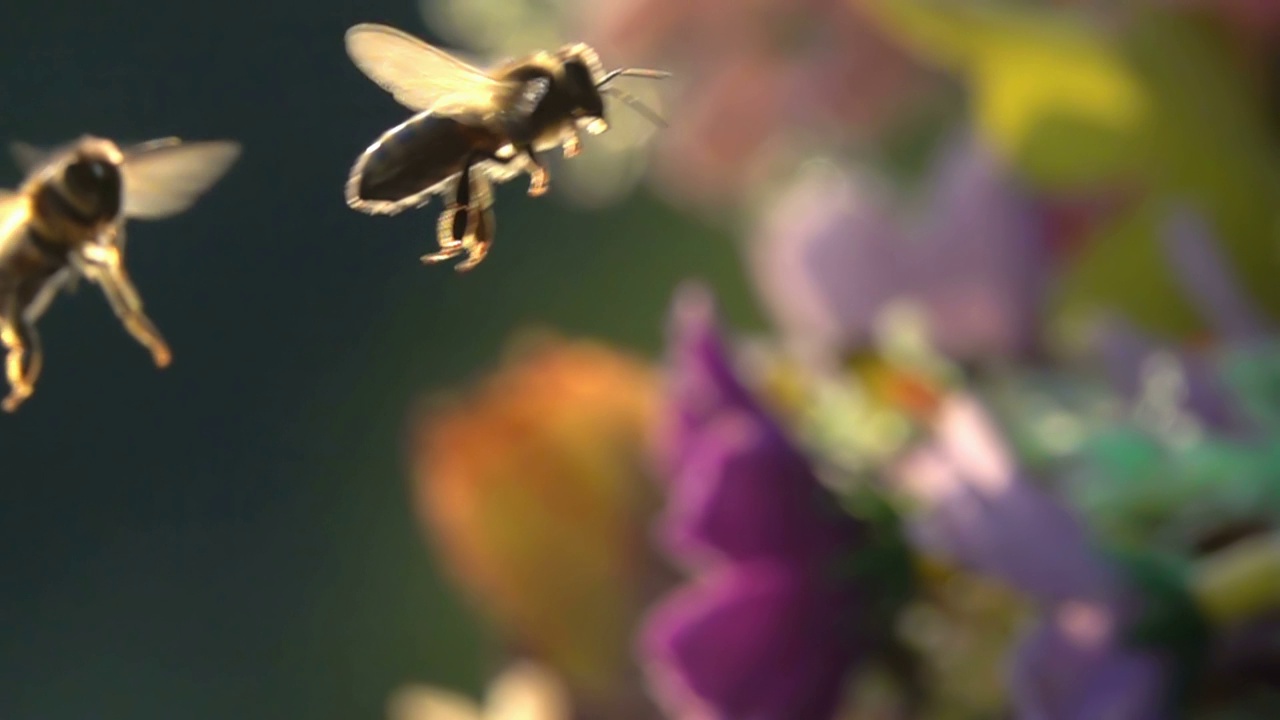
(524,691)
(536,493)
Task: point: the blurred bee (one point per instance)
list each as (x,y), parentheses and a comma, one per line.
(66,221)
(473,127)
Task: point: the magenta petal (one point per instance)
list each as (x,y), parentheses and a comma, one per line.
(702,379)
(1072,667)
(752,641)
(745,493)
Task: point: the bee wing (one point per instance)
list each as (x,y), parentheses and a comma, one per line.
(417,74)
(30,158)
(27,156)
(164,177)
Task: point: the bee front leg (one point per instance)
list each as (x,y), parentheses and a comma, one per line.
(107,270)
(572,145)
(23,360)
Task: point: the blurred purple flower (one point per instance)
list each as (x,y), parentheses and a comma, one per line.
(832,255)
(1191,249)
(764,631)
(1128,353)
(1192,252)
(983,514)
(754,72)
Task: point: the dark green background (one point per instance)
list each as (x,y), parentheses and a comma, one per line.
(229,538)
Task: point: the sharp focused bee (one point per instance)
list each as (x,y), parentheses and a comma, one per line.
(67,221)
(473,127)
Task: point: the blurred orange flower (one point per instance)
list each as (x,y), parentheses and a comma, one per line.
(535,489)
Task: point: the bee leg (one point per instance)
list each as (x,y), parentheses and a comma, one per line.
(540,179)
(478,242)
(477,237)
(108,271)
(452,227)
(572,145)
(23,361)
(446,228)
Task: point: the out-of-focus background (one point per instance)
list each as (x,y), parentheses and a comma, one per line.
(230,537)
(236,536)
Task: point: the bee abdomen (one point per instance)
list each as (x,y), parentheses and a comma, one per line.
(411,162)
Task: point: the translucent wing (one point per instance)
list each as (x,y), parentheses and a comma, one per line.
(31,158)
(164,177)
(27,156)
(417,74)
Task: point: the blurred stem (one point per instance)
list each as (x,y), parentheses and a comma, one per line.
(1240,580)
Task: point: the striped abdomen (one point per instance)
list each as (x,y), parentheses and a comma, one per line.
(410,161)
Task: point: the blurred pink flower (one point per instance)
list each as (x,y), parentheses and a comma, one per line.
(753,73)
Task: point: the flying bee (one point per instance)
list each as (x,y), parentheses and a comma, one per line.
(66,221)
(474,127)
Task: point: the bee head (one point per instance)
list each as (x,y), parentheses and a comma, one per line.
(582,76)
(587,82)
(90,179)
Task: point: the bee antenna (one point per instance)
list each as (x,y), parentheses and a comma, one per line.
(635,104)
(632,72)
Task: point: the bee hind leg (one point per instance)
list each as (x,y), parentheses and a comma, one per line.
(466,226)
(23,360)
(477,244)
(451,228)
(447,236)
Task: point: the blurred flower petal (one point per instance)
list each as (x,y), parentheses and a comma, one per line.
(1073,667)
(770,627)
(427,703)
(700,373)
(1201,267)
(986,276)
(1127,354)
(981,513)
(824,260)
(527,691)
(829,258)
(536,490)
(524,691)
(752,77)
(745,493)
(751,640)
